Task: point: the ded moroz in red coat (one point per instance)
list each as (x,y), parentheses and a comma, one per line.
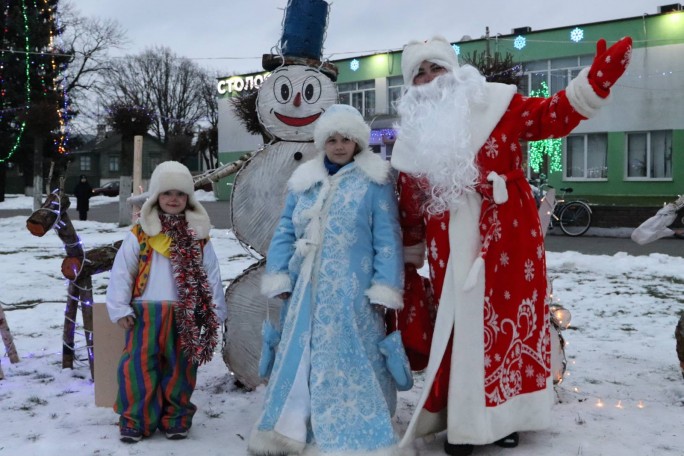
(488,271)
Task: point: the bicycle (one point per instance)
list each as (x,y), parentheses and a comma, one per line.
(573,217)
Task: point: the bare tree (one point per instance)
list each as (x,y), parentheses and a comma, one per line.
(206,143)
(88,41)
(171,85)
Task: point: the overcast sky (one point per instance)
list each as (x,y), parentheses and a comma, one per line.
(231,35)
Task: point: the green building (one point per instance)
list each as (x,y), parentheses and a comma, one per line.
(631,153)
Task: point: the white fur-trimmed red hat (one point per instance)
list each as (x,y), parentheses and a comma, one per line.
(437,50)
(172,175)
(345,120)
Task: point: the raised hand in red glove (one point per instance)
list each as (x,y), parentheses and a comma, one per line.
(609,64)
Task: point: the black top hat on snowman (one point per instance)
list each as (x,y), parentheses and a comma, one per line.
(301,43)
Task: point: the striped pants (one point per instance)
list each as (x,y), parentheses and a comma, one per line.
(155,378)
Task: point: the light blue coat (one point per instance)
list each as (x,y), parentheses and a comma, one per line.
(338,250)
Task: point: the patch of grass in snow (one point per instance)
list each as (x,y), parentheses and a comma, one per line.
(657,291)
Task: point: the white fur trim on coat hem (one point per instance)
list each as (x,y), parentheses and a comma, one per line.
(274,284)
(388,451)
(386,296)
(265,443)
(415,254)
(582,96)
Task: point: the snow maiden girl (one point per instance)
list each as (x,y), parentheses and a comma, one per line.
(336,257)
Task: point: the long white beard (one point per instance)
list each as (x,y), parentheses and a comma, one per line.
(436,127)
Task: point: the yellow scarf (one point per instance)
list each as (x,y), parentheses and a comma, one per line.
(161,243)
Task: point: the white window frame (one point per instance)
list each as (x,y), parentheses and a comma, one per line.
(366,111)
(392,87)
(585,159)
(649,158)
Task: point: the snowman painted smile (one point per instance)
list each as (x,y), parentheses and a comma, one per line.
(296,121)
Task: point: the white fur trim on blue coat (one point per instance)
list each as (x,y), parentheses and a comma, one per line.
(272,443)
(386,296)
(314,171)
(274,284)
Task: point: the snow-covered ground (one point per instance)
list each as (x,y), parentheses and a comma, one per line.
(623,393)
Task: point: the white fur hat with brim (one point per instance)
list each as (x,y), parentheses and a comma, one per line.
(172,175)
(345,120)
(437,50)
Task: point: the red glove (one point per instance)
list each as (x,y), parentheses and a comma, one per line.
(609,65)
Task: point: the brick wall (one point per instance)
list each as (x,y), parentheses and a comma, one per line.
(624,216)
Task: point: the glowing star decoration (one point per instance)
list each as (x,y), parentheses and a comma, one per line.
(549,147)
(519,42)
(577,34)
(292,99)
(456,48)
(354,65)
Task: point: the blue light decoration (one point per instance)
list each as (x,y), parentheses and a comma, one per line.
(457,49)
(577,34)
(354,65)
(520,42)
(382,135)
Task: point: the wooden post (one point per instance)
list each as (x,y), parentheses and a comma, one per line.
(69,326)
(137,164)
(7,341)
(85,285)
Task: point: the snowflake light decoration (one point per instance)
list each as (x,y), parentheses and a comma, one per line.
(577,34)
(354,65)
(456,48)
(520,42)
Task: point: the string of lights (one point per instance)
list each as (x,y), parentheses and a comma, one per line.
(552,148)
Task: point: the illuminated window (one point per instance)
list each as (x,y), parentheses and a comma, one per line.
(85,163)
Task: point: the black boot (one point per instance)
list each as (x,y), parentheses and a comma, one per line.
(462,449)
(510,441)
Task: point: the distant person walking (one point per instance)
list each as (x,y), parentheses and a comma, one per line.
(83,191)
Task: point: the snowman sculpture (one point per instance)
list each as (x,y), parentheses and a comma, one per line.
(300,88)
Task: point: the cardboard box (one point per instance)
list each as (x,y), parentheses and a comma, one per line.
(108,343)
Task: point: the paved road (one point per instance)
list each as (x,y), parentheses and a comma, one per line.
(593,245)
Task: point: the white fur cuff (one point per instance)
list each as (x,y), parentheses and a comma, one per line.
(386,296)
(582,96)
(274,284)
(415,254)
(272,443)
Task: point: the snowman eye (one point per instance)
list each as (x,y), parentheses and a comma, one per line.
(282,89)
(311,89)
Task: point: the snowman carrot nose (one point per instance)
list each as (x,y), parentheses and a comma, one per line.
(297,100)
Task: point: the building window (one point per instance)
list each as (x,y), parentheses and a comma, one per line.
(361,95)
(649,155)
(555,73)
(113,164)
(395,85)
(586,156)
(85,163)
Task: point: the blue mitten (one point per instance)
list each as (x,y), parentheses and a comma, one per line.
(396,360)
(270,340)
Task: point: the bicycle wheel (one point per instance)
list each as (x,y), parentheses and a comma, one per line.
(575,218)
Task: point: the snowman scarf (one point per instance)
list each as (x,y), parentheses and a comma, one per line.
(196,322)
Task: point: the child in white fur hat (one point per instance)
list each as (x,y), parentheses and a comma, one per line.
(165,290)
(336,259)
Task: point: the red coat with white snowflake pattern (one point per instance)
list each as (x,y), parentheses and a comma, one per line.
(515,345)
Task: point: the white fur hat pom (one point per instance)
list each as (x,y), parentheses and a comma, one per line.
(437,50)
(345,120)
(172,175)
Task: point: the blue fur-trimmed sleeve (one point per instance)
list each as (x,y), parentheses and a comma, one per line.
(388,260)
(277,279)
